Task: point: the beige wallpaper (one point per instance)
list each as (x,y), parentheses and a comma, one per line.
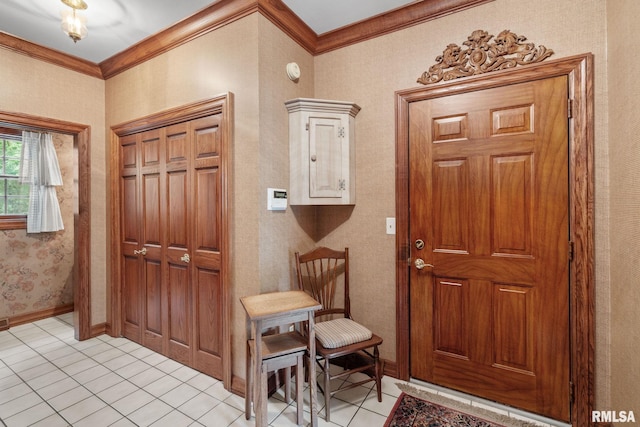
(624,137)
(36,270)
(370,72)
(281,233)
(37,88)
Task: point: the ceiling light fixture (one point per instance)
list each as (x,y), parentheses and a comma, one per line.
(74,24)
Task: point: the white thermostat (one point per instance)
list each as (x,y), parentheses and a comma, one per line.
(276,199)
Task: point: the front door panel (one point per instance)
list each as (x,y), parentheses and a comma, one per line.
(489,197)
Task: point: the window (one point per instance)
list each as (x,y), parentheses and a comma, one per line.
(14,197)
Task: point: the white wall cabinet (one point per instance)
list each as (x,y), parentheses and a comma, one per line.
(322,152)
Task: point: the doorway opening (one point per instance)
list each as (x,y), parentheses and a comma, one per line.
(82,204)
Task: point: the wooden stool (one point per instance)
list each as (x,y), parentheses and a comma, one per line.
(280,351)
(277,310)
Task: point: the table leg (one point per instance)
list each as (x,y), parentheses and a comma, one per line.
(263,419)
(299,387)
(313,391)
(248,386)
(256,332)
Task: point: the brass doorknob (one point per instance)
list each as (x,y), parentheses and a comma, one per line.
(185,258)
(142,251)
(420,264)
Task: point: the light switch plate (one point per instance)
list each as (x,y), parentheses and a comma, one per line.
(391,226)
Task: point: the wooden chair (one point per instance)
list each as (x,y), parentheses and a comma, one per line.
(339,339)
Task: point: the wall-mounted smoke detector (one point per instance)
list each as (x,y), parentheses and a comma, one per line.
(293,71)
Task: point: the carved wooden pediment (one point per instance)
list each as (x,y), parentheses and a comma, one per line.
(482,55)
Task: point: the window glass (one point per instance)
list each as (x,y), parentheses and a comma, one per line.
(14,197)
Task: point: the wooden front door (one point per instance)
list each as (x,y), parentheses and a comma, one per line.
(489,236)
(172,219)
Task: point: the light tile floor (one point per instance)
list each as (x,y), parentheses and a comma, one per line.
(49,379)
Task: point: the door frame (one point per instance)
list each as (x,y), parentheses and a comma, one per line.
(222,104)
(579,72)
(82,209)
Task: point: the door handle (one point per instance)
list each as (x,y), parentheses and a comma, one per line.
(420,264)
(185,258)
(142,252)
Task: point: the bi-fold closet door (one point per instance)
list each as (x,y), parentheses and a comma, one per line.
(170,212)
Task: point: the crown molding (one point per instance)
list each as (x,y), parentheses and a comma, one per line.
(282,17)
(224,12)
(393,20)
(208,19)
(51,56)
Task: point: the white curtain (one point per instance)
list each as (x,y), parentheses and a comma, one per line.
(39,168)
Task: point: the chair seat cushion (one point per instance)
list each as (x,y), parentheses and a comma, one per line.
(340,332)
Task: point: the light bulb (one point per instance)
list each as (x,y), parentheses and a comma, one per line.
(74,25)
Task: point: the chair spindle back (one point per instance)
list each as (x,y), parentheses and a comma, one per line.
(321,273)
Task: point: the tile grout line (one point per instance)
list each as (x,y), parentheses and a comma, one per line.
(114,346)
(17,374)
(24,339)
(60,368)
(112,371)
(68,376)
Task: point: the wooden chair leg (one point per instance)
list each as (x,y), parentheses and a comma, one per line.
(327,390)
(378,372)
(287,384)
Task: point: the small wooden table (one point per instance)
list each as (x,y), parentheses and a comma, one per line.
(278,309)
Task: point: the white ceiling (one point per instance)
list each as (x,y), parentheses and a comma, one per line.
(115,25)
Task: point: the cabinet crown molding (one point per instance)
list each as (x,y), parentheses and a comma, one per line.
(322,105)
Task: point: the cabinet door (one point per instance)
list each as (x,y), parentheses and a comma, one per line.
(326,157)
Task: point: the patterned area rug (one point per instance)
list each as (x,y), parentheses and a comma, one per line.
(414,412)
(419,408)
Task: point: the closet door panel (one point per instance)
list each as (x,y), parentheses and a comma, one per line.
(206,138)
(208,313)
(130,242)
(178,218)
(132,306)
(208,321)
(152,238)
(207,215)
(151,210)
(179,334)
(153,313)
(177,222)
(129,212)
